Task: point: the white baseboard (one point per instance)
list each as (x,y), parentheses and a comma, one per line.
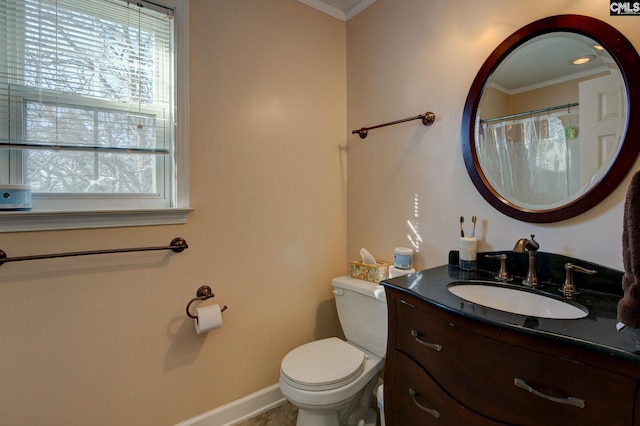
(240,409)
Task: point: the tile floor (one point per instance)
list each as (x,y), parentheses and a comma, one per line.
(283,415)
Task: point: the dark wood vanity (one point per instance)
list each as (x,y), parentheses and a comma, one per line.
(451,362)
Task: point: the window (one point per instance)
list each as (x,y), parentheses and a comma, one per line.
(90,104)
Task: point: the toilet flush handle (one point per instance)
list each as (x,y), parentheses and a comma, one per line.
(380,294)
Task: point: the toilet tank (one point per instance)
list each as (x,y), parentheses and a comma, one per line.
(362,309)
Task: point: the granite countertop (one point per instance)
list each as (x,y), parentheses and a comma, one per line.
(597,331)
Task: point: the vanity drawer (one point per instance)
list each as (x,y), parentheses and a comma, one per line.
(417,400)
(481,373)
(426,338)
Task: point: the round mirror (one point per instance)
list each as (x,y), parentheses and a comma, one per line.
(549,126)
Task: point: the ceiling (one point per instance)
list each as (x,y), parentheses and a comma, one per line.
(546,60)
(340,9)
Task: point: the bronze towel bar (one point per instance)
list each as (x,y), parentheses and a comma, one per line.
(427,119)
(177,245)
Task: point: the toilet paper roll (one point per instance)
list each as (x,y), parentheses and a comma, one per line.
(208,318)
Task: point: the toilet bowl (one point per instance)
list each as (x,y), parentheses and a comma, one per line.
(331,381)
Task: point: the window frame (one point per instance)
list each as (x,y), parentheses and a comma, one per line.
(122,215)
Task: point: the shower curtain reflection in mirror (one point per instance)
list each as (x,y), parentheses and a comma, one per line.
(532,161)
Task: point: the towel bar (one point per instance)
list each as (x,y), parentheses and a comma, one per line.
(177,245)
(427,119)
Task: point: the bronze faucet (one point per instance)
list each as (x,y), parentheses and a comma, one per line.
(531,247)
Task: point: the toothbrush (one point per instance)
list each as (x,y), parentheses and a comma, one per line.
(473,231)
(461,230)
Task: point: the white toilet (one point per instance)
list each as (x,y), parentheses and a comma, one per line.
(332,381)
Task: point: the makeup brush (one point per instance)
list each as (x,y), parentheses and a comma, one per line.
(461,230)
(473,231)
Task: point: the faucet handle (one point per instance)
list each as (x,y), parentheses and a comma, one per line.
(569,289)
(502,274)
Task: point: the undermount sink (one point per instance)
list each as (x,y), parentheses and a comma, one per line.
(517,300)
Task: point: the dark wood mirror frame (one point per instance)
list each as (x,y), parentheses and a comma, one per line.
(627,59)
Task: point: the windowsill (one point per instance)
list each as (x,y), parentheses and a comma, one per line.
(21,221)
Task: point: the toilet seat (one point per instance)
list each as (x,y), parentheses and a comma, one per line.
(322,365)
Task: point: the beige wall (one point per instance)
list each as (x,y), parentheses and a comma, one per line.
(104,340)
(558,94)
(410,56)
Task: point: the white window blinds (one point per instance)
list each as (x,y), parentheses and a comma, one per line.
(87,95)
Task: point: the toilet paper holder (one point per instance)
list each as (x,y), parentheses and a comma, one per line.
(203,293)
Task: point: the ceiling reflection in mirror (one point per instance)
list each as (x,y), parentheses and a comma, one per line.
(550,120)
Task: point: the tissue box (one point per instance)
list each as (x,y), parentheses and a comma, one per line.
(369,272)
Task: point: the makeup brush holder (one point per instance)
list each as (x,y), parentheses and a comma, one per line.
(468,253)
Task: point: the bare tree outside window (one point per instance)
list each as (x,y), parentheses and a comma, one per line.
(95,80)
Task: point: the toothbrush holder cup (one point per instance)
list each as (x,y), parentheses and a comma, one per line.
(468,253)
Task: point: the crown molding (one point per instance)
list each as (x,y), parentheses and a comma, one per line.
(336,12)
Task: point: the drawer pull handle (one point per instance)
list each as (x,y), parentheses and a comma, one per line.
(576,402)
(435,413)
(433,346)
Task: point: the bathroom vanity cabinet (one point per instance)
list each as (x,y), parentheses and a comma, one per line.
(450,367)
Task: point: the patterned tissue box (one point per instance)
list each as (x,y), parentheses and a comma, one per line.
(369,272)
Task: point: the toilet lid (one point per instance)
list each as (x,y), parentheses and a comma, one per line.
(323,364)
